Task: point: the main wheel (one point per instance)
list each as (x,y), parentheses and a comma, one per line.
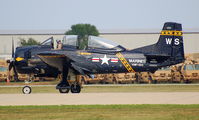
(75,88)
(26,90)
(64,90)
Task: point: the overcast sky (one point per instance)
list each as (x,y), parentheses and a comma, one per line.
(104,14)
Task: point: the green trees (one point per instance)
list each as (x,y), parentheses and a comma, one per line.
(30,41)
(83,31)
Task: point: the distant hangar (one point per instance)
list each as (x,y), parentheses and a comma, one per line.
(128,38)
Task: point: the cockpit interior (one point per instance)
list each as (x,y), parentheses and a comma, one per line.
(90,43)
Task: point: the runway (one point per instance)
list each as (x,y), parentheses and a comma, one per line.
(101,98)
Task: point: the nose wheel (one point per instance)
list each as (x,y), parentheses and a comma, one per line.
(26,90)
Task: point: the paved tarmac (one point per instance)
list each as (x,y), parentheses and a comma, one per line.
(101,98)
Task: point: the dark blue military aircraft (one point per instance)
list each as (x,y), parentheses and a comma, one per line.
(92,55)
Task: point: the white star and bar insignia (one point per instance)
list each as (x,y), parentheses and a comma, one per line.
(105,60)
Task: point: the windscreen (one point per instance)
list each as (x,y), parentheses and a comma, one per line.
(49,41)
(70,40)
(97,42)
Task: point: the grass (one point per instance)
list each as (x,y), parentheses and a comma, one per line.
(101,112)
(33,83)
(104,89)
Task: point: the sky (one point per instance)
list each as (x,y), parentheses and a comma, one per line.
(104,14)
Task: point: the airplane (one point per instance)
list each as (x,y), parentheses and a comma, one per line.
(94,55)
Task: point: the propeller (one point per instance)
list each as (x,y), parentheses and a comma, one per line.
(12,48)
(12,64)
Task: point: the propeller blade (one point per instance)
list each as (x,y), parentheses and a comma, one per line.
(12,48)
(16,78)
(10,65)
(9,70)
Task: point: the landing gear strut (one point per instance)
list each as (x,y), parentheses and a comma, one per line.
(27,89)
(64,86)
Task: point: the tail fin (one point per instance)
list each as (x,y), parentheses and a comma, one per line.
(171,41)
(170,44)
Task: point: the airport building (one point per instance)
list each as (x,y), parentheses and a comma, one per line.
(130,39)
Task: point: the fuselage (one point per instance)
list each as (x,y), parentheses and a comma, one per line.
(119,62)
(100,62)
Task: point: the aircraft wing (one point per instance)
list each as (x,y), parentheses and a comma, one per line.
(60,60)
(53,59)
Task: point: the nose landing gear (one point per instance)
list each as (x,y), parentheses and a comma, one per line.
(26,90)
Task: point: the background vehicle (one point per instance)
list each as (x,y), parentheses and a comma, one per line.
(190,73)
(162,75)
(97,78)
(125,78)
(3,70)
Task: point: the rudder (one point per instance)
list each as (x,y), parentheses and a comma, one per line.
(171,42)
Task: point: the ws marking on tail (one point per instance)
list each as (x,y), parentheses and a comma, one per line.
(169,41)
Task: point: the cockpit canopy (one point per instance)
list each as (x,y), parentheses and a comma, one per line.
(49,41)
(91,42)
(97,42)
(70,40)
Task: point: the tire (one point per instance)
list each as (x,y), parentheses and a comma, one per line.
(64,90)
(26,90)
(75,88)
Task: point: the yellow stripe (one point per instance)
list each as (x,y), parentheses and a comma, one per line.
(55,56)
(84,53)
(171,32)
(124,62)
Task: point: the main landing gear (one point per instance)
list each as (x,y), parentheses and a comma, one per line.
(64,86)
